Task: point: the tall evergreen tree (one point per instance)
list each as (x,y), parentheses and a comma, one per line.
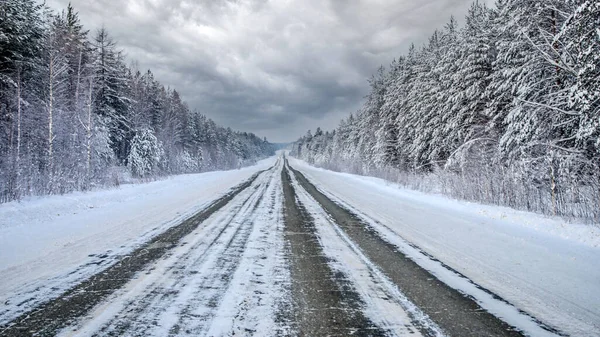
(513,98)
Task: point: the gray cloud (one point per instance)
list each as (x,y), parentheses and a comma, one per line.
(273,67)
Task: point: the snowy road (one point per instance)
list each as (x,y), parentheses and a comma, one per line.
(540,267)
(280,255)
(50,244)
(226,277)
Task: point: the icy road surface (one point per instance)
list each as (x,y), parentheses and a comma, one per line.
(226,277)
(545,267)
(284,249)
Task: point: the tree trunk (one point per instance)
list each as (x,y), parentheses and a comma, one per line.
(88,136)
(553,188)
(555,46)
(50,119)
(18,155)
(78,79)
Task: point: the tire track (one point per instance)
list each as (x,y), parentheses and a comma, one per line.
(183,293)
(324,301)
(455,313)
(48,318)
(259,290)
(385,305)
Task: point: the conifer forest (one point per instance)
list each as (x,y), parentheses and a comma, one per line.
(503,109)
(74,114)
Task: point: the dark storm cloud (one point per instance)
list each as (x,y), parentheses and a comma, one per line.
(276,68)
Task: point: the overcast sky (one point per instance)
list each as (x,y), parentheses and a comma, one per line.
(273,67)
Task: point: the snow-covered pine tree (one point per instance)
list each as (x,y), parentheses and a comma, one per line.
(406,93)
(386,134)
(422,101)
(580,36)
(465,124)
(145,155)
(21,33)
(370,118)
(442,142)
(111,96)
(73,141)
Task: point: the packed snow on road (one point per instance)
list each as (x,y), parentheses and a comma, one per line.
(51,243)
(274,259)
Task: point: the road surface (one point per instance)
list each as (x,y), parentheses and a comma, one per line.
(274,257)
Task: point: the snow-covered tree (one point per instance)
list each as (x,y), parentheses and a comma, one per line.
(21,33)
(69,105)
(508,105)
(580,36)
(145,155)
(111,91)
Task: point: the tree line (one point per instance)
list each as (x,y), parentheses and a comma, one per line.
(74,115)
(504,110)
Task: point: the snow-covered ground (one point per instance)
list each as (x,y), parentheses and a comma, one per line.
(231,270)
(48,244)
(230,277)
(544,266)
(226,278)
